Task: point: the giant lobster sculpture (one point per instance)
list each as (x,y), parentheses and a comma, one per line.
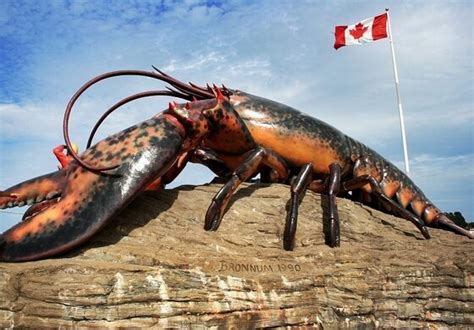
(235,134)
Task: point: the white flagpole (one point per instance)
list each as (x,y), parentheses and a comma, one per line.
(400,110)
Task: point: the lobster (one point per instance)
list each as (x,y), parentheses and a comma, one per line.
(238,136)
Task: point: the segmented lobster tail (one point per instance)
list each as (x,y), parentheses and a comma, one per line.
(398,186)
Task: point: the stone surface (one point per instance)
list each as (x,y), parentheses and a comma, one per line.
(155,266)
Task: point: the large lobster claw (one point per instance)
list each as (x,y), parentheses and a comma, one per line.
(82,201)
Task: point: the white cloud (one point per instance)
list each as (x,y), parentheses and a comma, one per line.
(435,39)
(195,63)
(29,122)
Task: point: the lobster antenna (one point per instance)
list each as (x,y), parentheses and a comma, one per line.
(127,100)
(199,87)
(179,89)
(185,96)
(75,97)
(170,92)
(179,85)
(183,89)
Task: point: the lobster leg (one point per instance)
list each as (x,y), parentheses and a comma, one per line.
(211,160)
(298,190)
(254,160)
(200,156)
(361,181)
(333,189)
(159,183)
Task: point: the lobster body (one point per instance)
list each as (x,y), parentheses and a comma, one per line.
(235,134)
(297,137)
(301,139)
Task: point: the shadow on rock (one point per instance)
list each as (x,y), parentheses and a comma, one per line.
(142,210)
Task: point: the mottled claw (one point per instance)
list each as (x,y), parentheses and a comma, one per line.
(7,198)
(8,195)
(72,204)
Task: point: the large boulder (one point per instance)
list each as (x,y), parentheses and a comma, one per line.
(154,265)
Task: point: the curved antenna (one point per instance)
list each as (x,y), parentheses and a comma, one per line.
(127,100)
(183,89)
(189,89)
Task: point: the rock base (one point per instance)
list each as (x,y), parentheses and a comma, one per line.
(154,266)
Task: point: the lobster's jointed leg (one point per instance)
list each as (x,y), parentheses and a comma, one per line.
(211,160)
(159,183)
(249,167)
(201,156)
(298,190)
(362,180)
(333,189)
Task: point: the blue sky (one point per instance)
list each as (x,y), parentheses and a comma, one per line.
(282,50)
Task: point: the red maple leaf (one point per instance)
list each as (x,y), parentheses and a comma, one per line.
(358,31)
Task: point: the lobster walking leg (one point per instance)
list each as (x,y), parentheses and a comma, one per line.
(211,160)
(298,190)
(361,181)
(254,160)
(333,239)
(171,174)
(200,156)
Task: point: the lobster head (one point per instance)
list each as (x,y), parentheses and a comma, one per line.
(199,117)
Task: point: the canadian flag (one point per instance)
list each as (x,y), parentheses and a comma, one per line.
(365,31)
